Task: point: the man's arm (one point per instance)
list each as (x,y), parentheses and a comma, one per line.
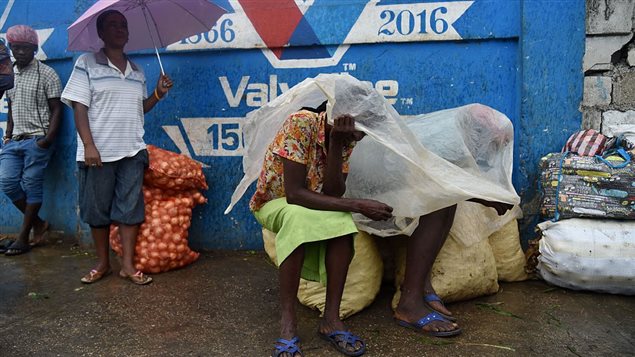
(501,208)
(55,109)
(9,131)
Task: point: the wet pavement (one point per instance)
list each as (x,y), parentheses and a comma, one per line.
(226,304)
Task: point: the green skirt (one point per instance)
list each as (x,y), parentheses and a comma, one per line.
(297,225)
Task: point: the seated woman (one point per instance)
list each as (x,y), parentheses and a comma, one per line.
(299,197)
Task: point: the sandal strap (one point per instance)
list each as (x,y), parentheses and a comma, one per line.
(287,346)
(433,316)
(346,337)
(432,297)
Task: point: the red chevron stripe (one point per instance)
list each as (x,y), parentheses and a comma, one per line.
(274,20)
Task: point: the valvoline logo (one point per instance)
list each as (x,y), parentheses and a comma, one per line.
(303,33)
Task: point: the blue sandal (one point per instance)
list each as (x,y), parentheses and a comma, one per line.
(337,337)
(419,325)
(428,298)
(286,346)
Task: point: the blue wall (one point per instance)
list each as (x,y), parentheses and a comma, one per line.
(521,57)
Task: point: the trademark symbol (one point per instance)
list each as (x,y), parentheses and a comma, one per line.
(350,66)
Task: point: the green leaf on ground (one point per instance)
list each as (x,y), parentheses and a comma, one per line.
(490,345)
(37,296)
(573,350)
(80,254)
(552,319)
(548,290)
(497,310)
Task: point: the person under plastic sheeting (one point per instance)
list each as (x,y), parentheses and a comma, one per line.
(299,196)
(401,166)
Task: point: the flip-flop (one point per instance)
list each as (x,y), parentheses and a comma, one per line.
(337,337)
(419,325)
(4,244)
(43,238)
(138,278)
(21,248)
(286,346)
(94,276)
(428,298)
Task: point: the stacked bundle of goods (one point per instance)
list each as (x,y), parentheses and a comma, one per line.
(171,190)
(583,186)
(589,249)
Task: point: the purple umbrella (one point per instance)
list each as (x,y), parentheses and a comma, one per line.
(151,23)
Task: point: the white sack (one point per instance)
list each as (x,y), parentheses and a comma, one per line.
(589,254)
(390,164)
(510,258)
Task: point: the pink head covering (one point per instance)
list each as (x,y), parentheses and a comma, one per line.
(22,33)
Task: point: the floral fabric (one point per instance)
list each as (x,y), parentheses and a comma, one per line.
(302,140)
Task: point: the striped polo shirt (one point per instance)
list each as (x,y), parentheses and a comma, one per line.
(115,105)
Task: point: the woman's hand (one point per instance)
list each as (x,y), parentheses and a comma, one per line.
(163,85)
(344,130)
(92,158)
(374,210)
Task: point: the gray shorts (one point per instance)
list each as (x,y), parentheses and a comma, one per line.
(113,192)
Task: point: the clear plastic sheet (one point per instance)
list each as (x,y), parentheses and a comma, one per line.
(417,166)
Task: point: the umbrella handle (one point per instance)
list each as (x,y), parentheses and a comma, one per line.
(159,58)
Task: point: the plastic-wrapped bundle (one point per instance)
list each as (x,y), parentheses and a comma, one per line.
(584,186)
(473,143)
(395,164)
(589,254)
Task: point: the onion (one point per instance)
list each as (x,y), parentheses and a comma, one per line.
(171,189)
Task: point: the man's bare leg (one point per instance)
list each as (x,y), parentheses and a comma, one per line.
(423,247)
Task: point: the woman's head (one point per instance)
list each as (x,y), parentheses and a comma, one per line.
(112,28)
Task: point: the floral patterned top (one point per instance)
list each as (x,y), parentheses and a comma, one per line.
(302,140)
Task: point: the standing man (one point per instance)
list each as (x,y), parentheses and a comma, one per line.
(32,124)
(108,94)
